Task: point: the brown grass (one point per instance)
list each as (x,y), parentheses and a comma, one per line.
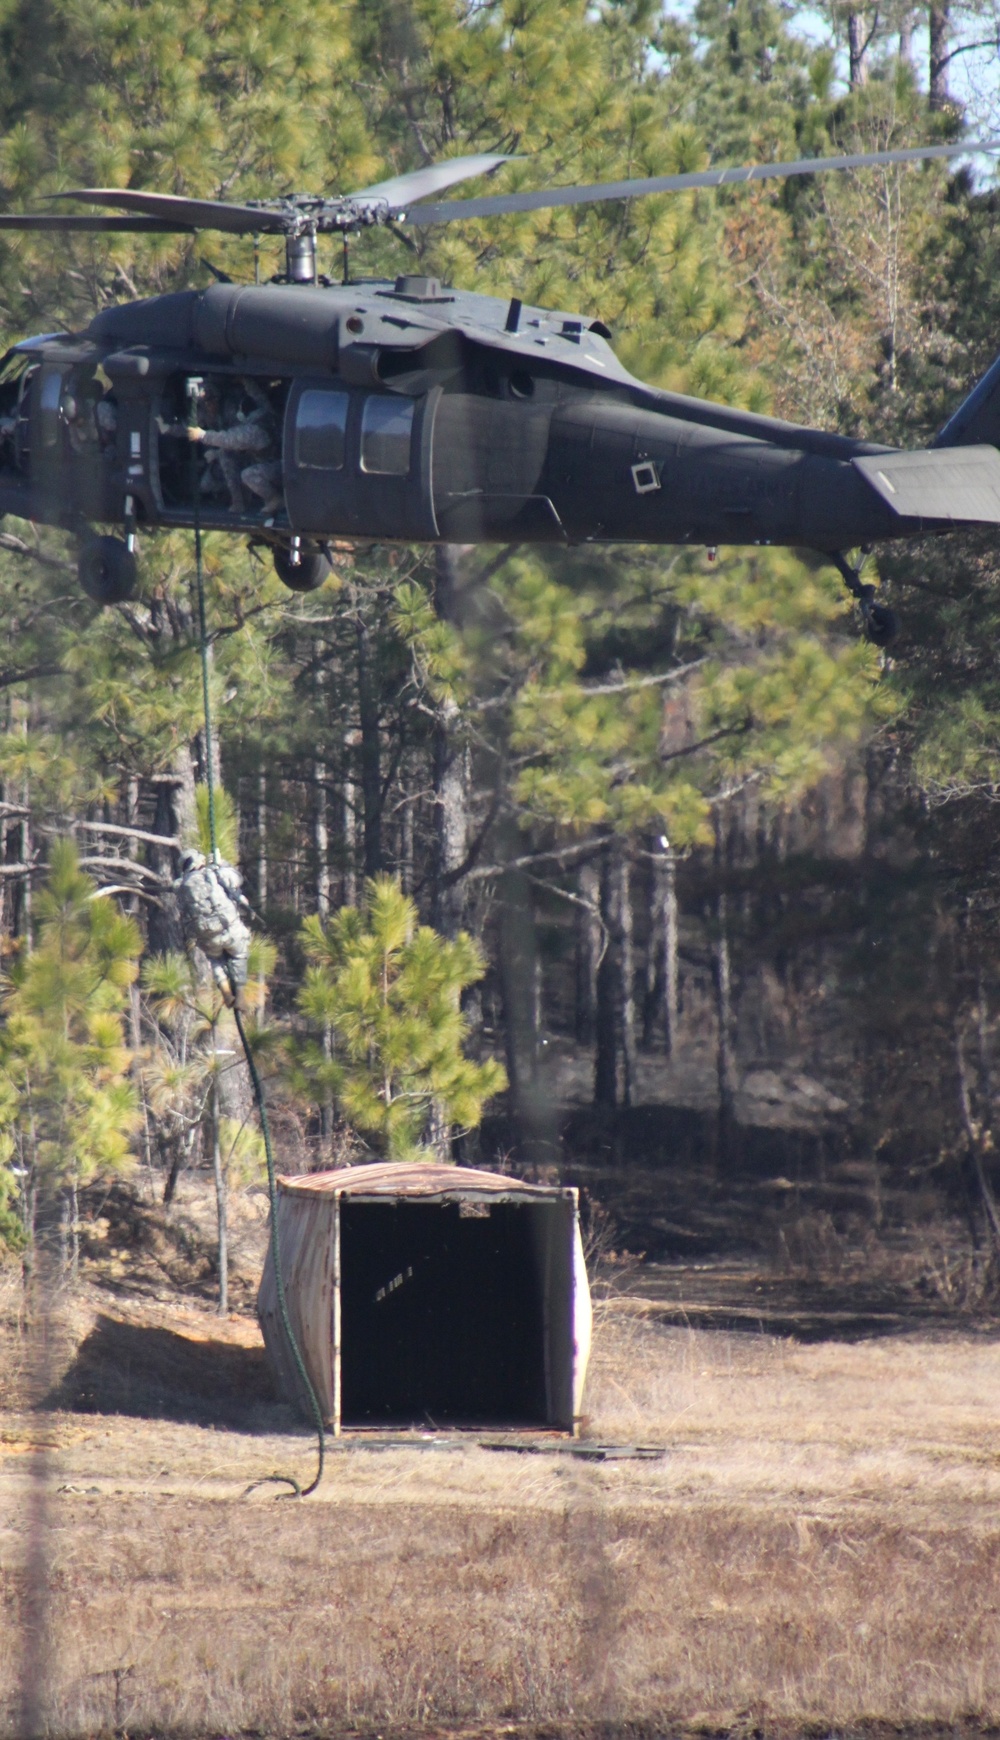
(819,1548)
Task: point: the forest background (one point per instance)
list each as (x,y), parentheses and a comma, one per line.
(719,853)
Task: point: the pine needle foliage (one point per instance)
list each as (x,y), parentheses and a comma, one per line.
(226,826)
(389,991)
(67,1107)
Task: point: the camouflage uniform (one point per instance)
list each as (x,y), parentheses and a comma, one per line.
(244,435)
(212,905)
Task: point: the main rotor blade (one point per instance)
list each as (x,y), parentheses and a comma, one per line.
(447,211)
(199,214)
(400,190)
(29,220)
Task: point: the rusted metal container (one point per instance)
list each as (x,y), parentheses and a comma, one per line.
(430,1296)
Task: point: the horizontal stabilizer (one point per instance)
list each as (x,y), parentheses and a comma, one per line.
(941,483)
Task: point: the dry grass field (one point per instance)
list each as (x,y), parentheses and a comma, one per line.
(817,1551)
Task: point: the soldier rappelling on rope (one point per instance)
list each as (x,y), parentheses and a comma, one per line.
(214,913)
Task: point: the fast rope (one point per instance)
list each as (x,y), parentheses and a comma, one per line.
(258,1086)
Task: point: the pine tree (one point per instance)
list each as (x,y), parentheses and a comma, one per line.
(389,990)
(68,1105)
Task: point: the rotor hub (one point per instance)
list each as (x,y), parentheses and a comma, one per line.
(306,213)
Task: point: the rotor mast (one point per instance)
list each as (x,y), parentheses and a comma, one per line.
(300,257)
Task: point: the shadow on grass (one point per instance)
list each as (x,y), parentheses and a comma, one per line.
(156,1374)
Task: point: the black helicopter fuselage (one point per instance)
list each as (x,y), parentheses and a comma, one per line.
(407,412)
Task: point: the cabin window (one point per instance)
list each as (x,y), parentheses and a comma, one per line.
(321,430)
(385,436)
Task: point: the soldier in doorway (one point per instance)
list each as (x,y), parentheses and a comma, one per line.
(230,435)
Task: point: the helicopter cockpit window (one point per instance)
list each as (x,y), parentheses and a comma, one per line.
(386,425)
(321,429)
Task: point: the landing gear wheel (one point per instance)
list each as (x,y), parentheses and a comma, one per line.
(305,575)
(106,570)
(881,625)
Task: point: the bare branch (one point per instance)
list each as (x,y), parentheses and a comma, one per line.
(127,888)
(127,865)
(556,855)
(10,678)
(628,683)
(971,48)
(170,840)
(10,541)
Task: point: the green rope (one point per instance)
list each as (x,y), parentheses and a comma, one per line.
(193,392)
(258,1086)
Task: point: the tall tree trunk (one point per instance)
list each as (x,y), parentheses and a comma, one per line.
(606,1026)
(452,822)
(939,21)
(662,988)
(626,989)
(262,843)
(320,797)
(671,933)
(350,884)
(321,843)
(74,1225)
(221,1194)
(532,1111)
(132,844)
(26,849)
(321,838)
(371,774)
(135,1017)
(173,816)
(405,856)
(64,1219)
(588,951)
(906,36)
(261,815)
(179,1160)
(722,981)
(614,1063)
(857,44)
(451,818)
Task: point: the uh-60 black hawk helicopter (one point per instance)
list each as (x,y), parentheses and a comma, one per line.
(299,411)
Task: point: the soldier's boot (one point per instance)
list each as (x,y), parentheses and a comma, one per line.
(236,978)
(220,973)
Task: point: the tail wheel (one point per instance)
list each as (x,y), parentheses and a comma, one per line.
(107,570)
(307,573)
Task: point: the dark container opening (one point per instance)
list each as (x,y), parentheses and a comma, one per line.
(457,1314)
